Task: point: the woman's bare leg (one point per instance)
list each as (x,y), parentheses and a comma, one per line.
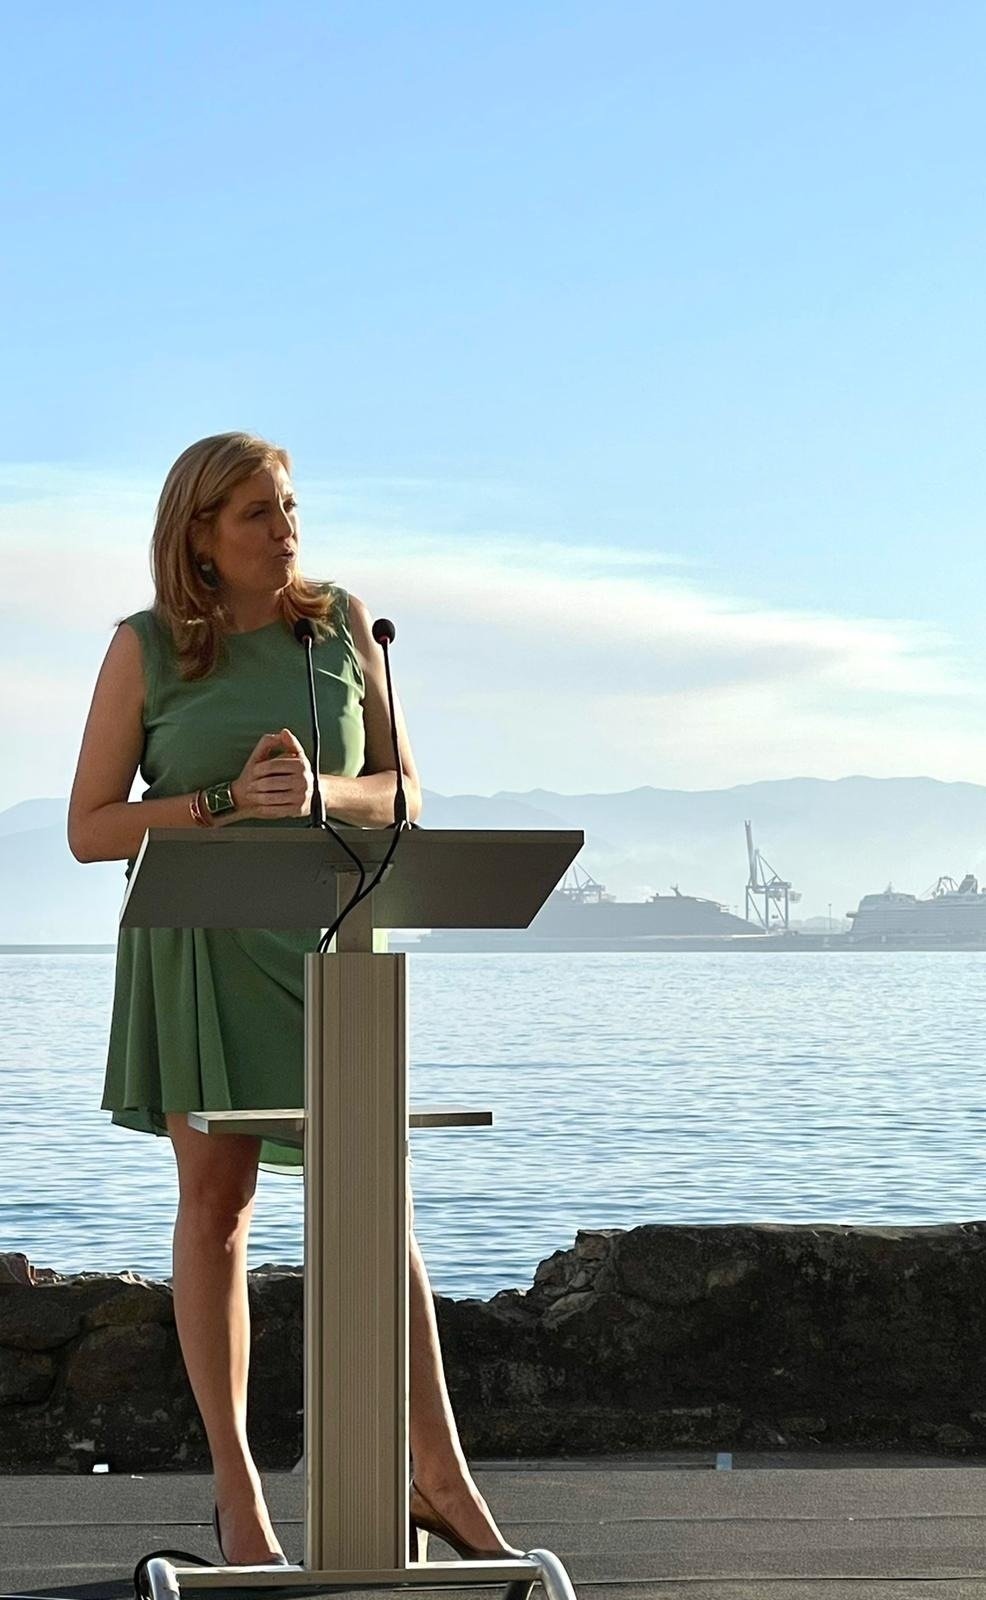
(438,1462)
(217,1182)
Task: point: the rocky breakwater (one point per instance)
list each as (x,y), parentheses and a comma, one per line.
(91,1372)
(766,1335)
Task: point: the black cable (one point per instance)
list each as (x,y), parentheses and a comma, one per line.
(362,893)
(354,899)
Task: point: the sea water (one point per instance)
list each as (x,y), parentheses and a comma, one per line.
(625,1089)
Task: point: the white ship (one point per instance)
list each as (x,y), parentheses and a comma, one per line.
(950,913)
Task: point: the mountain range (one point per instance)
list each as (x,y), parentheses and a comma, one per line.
(834,839)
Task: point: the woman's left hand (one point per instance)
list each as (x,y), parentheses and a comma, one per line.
(286,781)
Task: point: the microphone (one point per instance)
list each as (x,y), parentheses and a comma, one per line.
(304,632)
(384,633)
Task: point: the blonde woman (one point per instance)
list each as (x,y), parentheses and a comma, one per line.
(206,693)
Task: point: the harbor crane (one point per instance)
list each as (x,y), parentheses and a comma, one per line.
(582,888)
(768,896)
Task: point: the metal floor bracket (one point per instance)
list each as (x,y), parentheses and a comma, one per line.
(168,1581)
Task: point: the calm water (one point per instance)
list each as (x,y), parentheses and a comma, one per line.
(625,1089)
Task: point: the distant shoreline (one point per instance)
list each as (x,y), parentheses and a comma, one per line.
(683,944)
(57,949)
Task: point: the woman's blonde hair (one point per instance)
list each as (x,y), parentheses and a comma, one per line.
(197,487)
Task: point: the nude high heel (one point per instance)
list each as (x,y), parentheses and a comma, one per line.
(424,1519)
(274,1561)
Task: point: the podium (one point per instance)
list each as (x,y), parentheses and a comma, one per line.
(353,1129)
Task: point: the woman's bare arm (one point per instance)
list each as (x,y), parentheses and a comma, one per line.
(369,799)
(103,825)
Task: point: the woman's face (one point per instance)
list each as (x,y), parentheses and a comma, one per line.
(253,543)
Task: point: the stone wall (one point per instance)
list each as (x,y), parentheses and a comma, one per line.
(766,1335)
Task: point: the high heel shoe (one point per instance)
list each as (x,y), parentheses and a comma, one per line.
(277,1560)
(424,1519)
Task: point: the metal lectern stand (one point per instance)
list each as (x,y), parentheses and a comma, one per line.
(354,1129)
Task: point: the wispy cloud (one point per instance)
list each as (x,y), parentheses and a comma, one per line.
(523,661)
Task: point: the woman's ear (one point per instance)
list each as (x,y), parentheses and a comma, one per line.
(198,539)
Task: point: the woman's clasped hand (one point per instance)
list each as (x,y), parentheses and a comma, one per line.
(276,781)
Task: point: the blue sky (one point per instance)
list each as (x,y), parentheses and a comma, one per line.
(630,356)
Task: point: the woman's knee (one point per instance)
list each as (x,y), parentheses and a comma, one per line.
(217,1173)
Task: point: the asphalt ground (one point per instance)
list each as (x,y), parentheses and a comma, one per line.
(711,1526)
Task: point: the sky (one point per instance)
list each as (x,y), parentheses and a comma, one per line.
(631,357)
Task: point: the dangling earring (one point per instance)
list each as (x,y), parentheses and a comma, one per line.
(208,574)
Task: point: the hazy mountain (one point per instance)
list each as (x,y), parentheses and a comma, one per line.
(835,840)
(30,814)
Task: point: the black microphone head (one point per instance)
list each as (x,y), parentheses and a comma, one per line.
(383,629)
(304,629)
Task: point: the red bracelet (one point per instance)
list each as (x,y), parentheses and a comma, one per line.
(195,808)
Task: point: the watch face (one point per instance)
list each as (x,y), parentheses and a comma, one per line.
(219,798)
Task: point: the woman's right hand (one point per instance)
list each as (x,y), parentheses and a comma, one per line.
(274,785)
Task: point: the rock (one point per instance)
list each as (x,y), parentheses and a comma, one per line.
(107,1364)
(756,1336)
(25,1376)
(130,1300)
(727,1274)
(950,1435)
(38,1318)
(15,1268)
(565,1306)
(584,1262)
(803,1429)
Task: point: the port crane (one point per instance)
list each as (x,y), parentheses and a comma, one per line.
(582,888)
(768,896)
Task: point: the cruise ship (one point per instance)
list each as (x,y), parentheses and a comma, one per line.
(580,915)
(949,914)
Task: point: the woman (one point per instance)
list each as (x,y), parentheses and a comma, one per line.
(189,691)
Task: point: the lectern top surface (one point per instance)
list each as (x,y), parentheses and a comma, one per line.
(257,877)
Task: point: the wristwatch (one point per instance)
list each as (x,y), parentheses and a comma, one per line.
(218,798)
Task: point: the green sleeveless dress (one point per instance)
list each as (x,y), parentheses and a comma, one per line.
(212,1019)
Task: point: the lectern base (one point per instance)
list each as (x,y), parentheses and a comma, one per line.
(519,1576)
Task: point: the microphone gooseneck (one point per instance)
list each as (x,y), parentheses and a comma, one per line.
(304,632)
(384,633)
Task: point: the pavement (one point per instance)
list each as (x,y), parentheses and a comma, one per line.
(707,1525)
